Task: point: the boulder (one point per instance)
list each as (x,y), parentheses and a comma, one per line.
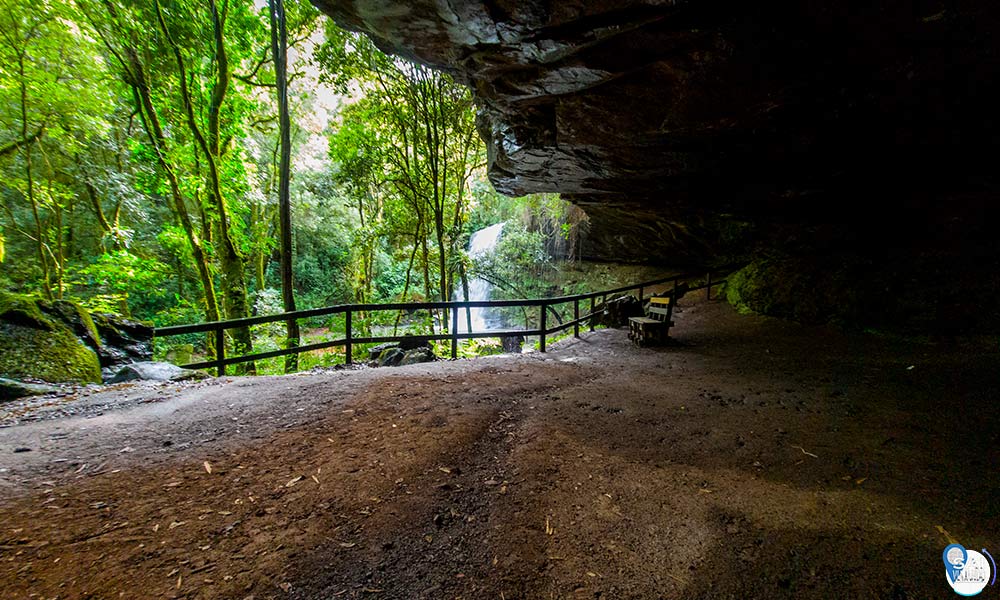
(398,356)
(422,354)
(11,389)
(122,341)
(376,351)
(155,371)
(391,357)
(37,343)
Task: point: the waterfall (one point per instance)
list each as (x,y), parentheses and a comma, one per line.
(480,243)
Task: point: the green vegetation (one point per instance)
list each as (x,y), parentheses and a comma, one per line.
(147,150)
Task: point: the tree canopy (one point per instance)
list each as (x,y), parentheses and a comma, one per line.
(163,159)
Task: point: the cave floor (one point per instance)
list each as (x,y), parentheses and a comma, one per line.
(754,459)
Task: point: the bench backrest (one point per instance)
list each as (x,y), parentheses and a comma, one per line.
(658,312)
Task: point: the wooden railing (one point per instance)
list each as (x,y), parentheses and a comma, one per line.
(218,328)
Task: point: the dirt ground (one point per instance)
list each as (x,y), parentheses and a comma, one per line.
(753,459)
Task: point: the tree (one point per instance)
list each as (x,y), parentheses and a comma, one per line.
(279,48)
(47,110)
(418,124)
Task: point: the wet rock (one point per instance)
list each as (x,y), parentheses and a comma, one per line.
(391,357)
(155,371)
(123,341)
(36,343)
(11,389)
(422,354)
(376,351)
(397,356)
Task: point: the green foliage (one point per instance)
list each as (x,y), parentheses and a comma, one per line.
(112,276)
(116,194)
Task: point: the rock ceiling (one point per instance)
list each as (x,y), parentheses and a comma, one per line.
(757,108)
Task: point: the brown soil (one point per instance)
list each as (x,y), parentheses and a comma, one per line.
(754,459)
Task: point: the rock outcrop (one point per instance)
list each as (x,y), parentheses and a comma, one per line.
(702,131)
(11,389)
(411,350)
(60,342)
(36,343)
(155,371)
(663,105)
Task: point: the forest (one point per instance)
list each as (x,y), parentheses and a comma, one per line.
(180,161)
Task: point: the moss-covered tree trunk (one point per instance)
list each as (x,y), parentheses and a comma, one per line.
(136,75)
(231,261)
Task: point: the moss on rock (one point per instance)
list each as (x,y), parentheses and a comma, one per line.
(804,289)
(24,310)
(34,344)
(79,319)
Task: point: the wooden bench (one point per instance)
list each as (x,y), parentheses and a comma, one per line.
(654,328)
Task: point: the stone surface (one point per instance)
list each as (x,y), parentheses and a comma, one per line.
(711,131)
(742,105)
(36,344)
(417,350)
(418,355)
(11,389)
(391,357)
(155,371)
(376,351)
(123,341)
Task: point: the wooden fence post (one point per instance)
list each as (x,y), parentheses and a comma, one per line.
(220,351)
(576,318)
(708,286)
(454,332)
(640,293)
(591,313)
(348,346)
(541,325)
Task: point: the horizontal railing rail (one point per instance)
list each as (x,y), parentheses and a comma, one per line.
(218,328)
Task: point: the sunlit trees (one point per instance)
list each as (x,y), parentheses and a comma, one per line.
(49,109)
(408,141)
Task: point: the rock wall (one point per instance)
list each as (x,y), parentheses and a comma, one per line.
(60,342)
(702,130)
(666,101)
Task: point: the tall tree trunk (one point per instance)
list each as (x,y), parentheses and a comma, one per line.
(279,46)
(428,292)
(154,130)
(231,260)
(409,271)
(30,176)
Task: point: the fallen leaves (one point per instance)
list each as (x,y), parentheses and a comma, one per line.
(293,481)
(804,451)
(208,467)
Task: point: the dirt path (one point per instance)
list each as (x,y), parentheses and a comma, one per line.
(757,459)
